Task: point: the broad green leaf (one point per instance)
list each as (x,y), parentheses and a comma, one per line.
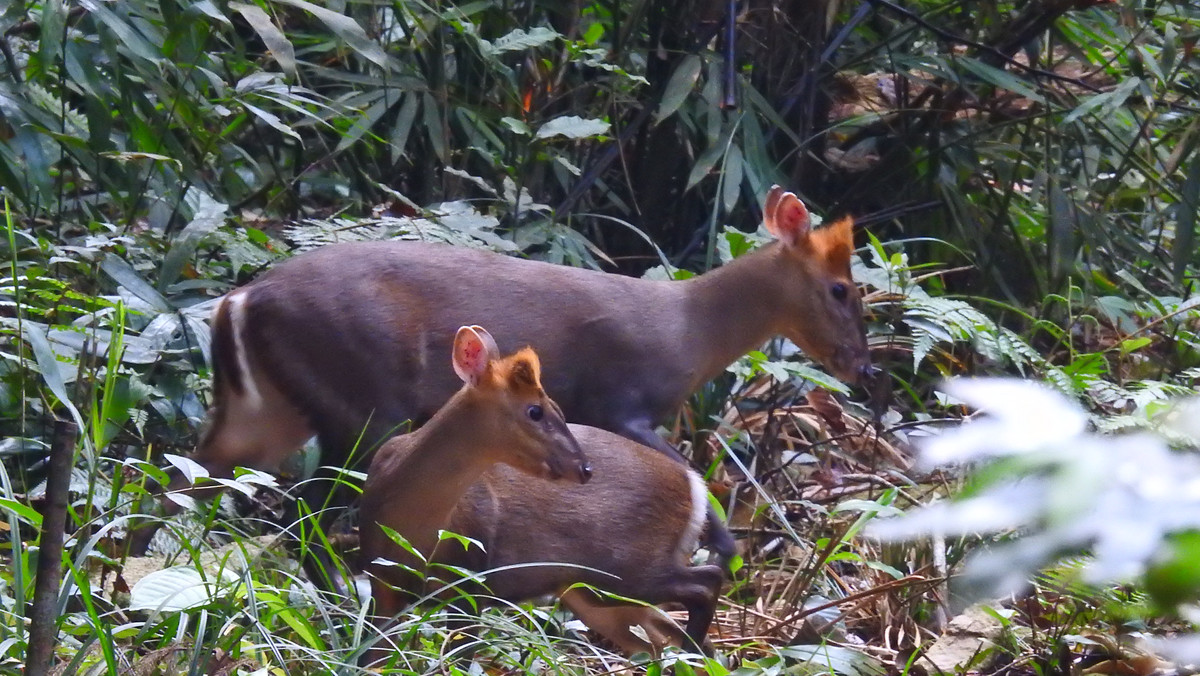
(401,541)
(1134,344)
(347,29)
(271,119)
(149,469)
(9,177)
(597,58)
(1169,48)
(1064,227)
(483,138)
(1183,253)
(827,659)
(1151,63)
(762,171)
(130,156)
(126,276)
(1001,78)
(594,32)
(465,541)
(257,477)
(255,81)
(277,43)
(403,126)
(1086,365)
(406,82)
(310,634)
(128,630)
(435,129)
(130,37)
(731,186)
(516,126)
(882,567)
(704,165)
(678,87)
(135,349)
(1104,103)
(573,127)
(173,589)
(207,8)
(520,39)
(190,469)
(43,354)
(23,511)
(234,484)
(466,175)
(54,19)
(366,120)
(209,215)
(872,507)
(756,102)
(36,166)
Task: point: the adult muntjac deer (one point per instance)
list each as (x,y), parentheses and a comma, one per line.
(475,470)
(343,342)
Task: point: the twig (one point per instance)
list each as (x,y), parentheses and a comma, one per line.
(802,613)
(1151,324)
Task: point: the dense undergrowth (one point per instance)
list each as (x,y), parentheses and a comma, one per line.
(1028,175)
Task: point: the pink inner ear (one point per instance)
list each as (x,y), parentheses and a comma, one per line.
(470,356)
(791,215)
(769,208)
(488,342)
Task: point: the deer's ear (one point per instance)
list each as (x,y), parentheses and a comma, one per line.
(786,217)
(834,243)
(473,353)
(488,341)
(525,370)
(772,202)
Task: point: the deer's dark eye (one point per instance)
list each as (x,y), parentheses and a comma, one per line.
(535,413)
(838,291)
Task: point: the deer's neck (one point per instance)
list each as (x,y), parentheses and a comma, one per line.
(735,308)
(445,456)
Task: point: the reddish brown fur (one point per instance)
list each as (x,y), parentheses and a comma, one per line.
(519,369)
(489,420)
(833,244)
(446,476)
(619,353)
(351,336)
(627,521)
(226,372)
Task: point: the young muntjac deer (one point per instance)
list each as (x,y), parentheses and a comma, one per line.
(343,342)
(630,530)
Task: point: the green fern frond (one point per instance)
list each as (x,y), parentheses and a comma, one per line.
(455,223)
(74,122)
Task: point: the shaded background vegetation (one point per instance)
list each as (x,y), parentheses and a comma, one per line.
(1038,159)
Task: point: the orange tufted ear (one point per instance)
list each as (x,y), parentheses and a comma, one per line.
(522,370)
(833,243)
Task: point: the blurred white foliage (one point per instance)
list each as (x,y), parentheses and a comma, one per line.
(1061,488)
(1023,417)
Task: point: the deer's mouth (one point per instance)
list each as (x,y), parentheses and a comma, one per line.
(580,470)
